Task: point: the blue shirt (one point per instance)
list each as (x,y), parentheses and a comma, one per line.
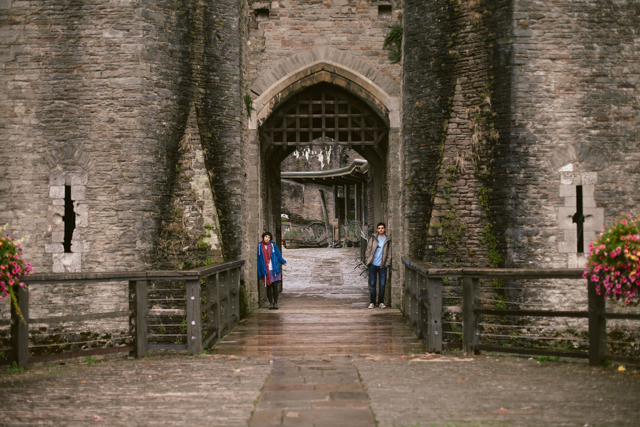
(377,255)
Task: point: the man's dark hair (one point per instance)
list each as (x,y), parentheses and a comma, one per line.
(266,233)
(381,224)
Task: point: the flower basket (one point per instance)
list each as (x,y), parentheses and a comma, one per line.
(613,261)
(292,244)
(12,268)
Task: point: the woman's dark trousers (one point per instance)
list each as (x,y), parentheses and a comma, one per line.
(272,293)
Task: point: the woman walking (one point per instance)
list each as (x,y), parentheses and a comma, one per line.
(269,260)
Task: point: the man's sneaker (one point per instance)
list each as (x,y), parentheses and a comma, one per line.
(382,305)
(371,305)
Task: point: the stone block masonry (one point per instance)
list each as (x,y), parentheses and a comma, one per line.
(555,99)
(559,112)
(280,29)
(103,90)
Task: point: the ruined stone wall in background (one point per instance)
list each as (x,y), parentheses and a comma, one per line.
(303,203)
(304,200)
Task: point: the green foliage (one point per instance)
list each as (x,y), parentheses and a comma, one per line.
(91,360)
(483,197)
(489,239)
(393,43)
(547,358)
(248,102)
(500,302)
(14,368)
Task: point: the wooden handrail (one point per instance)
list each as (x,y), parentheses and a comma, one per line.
(502,273)
(423,310)
(220,283)
(123,276)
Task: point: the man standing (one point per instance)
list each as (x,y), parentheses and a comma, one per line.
(378,258)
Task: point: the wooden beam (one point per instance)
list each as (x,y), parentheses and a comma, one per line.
(194,318)
(138,317)
(597,325)
(470,303)
(20,329)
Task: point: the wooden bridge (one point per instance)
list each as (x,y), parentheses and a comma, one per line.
(333,326)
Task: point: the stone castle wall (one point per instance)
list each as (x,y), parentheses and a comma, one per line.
(97,96)
(507,106)
(280,29)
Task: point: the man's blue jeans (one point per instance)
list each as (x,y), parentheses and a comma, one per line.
(374,271)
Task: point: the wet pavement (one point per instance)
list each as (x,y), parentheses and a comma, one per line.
(322,360)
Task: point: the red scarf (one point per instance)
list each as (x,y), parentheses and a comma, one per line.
(266,255)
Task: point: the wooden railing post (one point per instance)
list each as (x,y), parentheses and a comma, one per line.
(415,309)
(420,310)
(223,297)
(213,332)
(408,277)
(19,329)
(470,302)
(434,315)
(194,317)
(229,312)
(235,297)
(597,326)
(138,317)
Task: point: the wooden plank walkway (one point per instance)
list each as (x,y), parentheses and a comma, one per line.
(316,325)
(323,310)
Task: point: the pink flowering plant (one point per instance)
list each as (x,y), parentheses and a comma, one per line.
(12,268)
(613,262)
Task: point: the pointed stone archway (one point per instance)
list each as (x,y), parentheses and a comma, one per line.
(322,70)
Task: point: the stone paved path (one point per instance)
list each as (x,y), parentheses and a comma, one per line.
(174,390)
(323,360)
